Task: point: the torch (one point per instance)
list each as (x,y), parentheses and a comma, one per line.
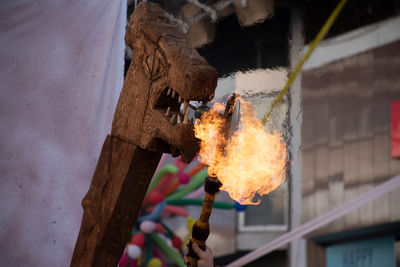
(201,228)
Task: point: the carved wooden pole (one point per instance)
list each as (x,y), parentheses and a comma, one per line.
(164,73)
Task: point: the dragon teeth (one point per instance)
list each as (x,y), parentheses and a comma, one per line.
(173,94)
(169,91)
(179,119)
(173,119)
(186,118)
(168,111)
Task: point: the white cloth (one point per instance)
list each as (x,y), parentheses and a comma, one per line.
(61,71)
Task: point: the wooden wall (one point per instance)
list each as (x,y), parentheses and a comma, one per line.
(346,136)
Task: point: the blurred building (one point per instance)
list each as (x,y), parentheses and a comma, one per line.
(336,121)
(347,91)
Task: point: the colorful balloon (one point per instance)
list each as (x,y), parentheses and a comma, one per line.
(154,262)
(176,242)
(191,174)
(196,181)
(133,251)
(180,164)
(154,214)
(199,202)
(138,239)
(165,182)
(189,225)
(147,226)
(156,197)
(167,250)
(124,260)
(183,178)
(163,200)
(160,229)
(158,254)
(172,210)
(148,255)
(168,168)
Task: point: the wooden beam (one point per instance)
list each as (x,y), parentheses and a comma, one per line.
(112,204)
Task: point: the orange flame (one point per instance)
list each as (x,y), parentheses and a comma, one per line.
(252,162)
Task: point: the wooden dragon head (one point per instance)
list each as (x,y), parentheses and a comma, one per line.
(165,74)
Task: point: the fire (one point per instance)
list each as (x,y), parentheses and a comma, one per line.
(252,162)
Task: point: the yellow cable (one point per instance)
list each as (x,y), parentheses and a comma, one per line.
(189,224)
(321,34)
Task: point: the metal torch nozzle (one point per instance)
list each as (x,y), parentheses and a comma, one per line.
(201,110)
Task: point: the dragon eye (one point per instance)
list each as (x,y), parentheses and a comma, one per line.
(155,65)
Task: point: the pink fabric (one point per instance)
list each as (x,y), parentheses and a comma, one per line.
(61,71)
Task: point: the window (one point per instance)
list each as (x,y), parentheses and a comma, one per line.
(260,87)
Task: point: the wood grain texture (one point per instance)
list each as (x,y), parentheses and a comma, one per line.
(113,201)
(141,132)
(161,60)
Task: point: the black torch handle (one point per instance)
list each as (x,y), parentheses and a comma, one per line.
(201,228)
